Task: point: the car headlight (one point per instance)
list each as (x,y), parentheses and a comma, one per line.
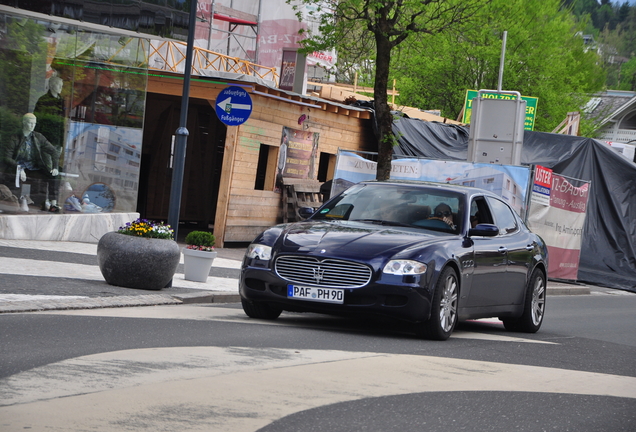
(259,251)
(404,267)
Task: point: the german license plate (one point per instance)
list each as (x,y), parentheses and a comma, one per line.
(326,295)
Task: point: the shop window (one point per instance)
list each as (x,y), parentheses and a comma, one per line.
(266,168)
(87,97)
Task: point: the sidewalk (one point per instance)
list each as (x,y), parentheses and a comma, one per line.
(45,275)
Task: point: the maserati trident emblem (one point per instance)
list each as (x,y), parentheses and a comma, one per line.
(318,274)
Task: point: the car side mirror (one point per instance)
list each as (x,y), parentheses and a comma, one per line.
(305,212)
(484,230)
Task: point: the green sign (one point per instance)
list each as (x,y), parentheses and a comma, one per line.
(531,106)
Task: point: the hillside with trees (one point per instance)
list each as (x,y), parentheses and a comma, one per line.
(545,58)
(612,26)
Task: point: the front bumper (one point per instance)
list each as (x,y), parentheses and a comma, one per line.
(394,298)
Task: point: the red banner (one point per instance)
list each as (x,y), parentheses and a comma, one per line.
(559,220)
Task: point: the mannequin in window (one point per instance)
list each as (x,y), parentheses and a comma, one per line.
(51,102)
(32,159)
(50,110)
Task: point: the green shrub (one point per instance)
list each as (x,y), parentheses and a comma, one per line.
(200,238)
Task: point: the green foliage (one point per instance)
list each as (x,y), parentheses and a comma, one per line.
(349,24)
(613,25)
(10,123)
(626,76)
(19,60)
(200,238)
(544,58)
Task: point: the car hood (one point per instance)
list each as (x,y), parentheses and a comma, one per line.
(352,239)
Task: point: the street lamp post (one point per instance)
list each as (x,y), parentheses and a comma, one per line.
(181,135)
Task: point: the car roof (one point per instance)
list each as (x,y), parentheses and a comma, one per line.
(467,190)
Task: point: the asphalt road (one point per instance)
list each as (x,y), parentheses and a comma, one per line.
(210,368)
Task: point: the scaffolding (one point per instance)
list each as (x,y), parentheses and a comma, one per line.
(170,56)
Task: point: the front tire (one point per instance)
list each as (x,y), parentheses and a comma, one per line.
(443,308)
(533,308)
(260,310)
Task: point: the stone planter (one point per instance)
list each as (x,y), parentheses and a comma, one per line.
(197,264)
(137,262)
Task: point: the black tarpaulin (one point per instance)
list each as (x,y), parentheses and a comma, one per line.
(608,248)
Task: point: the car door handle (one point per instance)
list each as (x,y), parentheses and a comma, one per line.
(503,249)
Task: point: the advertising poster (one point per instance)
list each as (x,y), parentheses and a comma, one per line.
(560,224)
(542,185)
(288,70)
(297,154)
(508,181)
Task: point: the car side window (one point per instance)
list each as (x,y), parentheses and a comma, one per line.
(479,212)
(504,216)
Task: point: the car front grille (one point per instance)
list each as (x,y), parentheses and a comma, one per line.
(323,273)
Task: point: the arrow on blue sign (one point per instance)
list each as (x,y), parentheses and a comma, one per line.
(228,106)
(234,106)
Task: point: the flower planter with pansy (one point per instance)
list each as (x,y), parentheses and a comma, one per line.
(142,254)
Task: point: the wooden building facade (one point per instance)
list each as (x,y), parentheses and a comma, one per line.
(232,173)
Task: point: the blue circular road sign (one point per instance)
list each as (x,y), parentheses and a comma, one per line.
(233,106)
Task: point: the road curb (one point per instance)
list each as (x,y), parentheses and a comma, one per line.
(117,301)
(175,299)
(87,303)
(577,290)
(217,297)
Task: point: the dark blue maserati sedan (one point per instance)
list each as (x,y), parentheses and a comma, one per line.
(426,253)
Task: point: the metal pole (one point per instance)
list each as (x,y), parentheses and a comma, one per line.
(211,22)
(181,139)
(258,30)
(501,61)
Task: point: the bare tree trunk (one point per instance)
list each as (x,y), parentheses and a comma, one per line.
(383,115)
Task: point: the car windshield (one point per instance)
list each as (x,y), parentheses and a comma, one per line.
(398,205)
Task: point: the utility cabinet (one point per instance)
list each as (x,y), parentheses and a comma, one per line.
(497,128)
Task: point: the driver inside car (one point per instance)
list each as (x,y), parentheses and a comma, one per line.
(444,213)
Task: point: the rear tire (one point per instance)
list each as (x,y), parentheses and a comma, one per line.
(443,308)
(534,306)
(260,310)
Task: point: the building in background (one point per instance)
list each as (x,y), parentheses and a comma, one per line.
(497,182)
(113,120)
